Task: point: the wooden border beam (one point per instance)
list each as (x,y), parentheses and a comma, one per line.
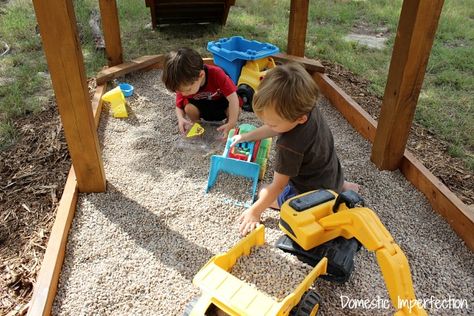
(443,201)
(57,24)
(48,277)
(311,65)
(111,29)
(360,120)
(415,36)
(298,24)
(128,67)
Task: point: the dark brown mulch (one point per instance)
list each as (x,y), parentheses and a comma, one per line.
(430,150)
(34,171)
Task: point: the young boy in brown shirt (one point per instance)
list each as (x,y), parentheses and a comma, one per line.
(305,154)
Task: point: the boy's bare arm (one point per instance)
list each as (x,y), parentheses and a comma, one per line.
(179,113)
(259,133)
(234,108)
(182,121)
(233,115)
(251,217)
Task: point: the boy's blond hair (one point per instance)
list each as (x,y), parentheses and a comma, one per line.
(289,90)
(181,68)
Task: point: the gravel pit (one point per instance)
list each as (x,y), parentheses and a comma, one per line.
(134,249)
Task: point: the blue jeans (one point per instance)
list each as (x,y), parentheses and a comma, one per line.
(288,192)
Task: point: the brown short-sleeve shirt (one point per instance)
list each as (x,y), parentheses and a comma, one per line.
(307,155)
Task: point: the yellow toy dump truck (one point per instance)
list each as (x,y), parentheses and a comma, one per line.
(252,73)
(312,222)
(223,292)
(245,61)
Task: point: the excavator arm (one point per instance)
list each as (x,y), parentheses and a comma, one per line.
(363,224)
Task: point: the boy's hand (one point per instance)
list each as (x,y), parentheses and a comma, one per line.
(236,139)
(248,221)
(183,125)
(225,128)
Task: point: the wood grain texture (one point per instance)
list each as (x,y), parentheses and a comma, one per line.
(311,65)
(57,23)
(299,10)
(137,64)
(415,35)
(48,276)
(111,30)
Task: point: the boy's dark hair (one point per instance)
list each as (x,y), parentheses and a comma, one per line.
(181,68)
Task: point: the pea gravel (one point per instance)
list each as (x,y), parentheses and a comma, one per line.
(134,249)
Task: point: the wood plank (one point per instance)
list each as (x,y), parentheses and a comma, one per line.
(57,24)
(111,29)
(97,103)
(47,281)
(208,60)
(297,27)
(48,276)
(442,200)
(446,203)
(311,65)
(353,112)
(415,35)
(120,70)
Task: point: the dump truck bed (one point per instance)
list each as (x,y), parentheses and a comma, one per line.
(234,296)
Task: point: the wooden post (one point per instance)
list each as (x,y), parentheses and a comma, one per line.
(57,23)
(297,27)
(415,35)
(111,29)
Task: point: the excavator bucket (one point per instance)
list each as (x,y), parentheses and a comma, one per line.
(234,167)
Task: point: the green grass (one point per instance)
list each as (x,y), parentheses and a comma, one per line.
(445,104)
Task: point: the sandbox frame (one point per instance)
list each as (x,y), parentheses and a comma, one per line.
(80,115)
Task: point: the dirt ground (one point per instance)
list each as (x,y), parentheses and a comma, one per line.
(33,173)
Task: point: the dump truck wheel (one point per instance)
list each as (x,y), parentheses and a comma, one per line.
(246,93)
(308,306)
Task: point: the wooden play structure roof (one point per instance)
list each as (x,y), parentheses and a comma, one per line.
(80,115)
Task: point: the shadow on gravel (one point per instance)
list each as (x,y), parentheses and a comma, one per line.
(152,233)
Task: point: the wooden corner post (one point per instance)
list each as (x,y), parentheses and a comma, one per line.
(415,36)
(297,27)
(111,29)
(57,23)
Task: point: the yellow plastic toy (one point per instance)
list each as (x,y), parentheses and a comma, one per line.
(117,102)
(195,130)
(252,73)
(222,290)
(312,221)
(313,218)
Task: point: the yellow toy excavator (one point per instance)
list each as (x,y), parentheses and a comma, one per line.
(323,229)
(315,221)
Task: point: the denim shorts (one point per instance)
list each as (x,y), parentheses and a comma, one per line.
(288,192)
